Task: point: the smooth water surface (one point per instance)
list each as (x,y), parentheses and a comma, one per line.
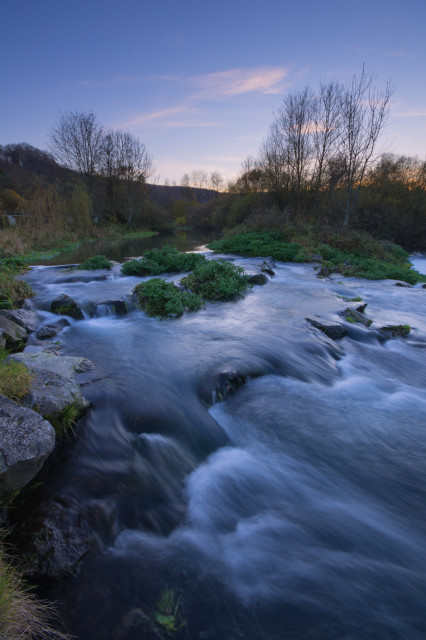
(294,509)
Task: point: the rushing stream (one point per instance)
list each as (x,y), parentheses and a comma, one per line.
(293,509)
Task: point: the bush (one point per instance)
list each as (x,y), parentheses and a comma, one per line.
(95,262)
(160,298)
(258,243)
(217,280)
(165,260)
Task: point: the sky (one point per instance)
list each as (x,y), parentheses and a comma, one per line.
(199,82)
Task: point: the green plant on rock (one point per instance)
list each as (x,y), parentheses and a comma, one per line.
(217,280)
(160,298)
(165,260)
(167,614)
(95,262)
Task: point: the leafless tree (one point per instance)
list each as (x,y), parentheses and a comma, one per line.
(326,131)
(364,111)
(199,178)
(76,141)
(185,180)
(216,180)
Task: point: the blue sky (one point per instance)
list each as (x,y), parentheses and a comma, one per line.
(199,83)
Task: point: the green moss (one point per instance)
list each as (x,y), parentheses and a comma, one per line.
(217,280)
(95,262)
(160,298)
(165,260)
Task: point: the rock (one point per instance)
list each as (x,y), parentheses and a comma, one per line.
(53,387)
(258,278)
(360,306)
(227,383)
(26,440)
(2,342)
(27,304)
(324,272)
(25,318)
(403,284)
(352,315)
(51,330)
(12,333)
(333,330)
(315,257)
(63,305)
(423,286)
(267,266)
(111,307)
(393,331)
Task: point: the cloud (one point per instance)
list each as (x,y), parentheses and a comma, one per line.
(173,117)
(235,82)
(397,54)
(411,113)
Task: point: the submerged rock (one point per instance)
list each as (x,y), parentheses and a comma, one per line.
(268,266)
(64,305)
(26,440)
(330,328)
(395,330)
(51,330)
(111,307)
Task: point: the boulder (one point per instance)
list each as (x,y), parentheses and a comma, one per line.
(26,440)
(12,333)
(25,318)
(268,266)
(258,278)
(352,315)
(111,307)
(395,330)
(51,330)
(64,305)
(53,387)
(403,284)
(333,330)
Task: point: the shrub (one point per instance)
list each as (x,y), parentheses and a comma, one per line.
(165,260)
(95,262)
(160,298)
(217,280)
(258,243)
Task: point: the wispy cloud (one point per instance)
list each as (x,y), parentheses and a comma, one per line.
(397,54)
(182,115)
(235,82)
(411,113)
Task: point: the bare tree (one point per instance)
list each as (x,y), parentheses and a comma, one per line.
(327,129)
(216,180)
(77,142)
(185,180)
(199,178)
(364,111)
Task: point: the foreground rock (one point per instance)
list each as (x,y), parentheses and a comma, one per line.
(53,387)
(352,315)
(51,330)
(12,333)
(333,330)
(28,320)
(395,331)
(257,278)
(26,440)
(64,305)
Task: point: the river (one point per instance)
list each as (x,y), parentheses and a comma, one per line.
(294,509)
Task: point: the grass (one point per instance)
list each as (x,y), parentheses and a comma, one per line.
(164,260)
(217,280)
(11,289)
(352,255)
(95,262)
(166,613)
(64,422)
(15,379)
(22,615)
(160,298)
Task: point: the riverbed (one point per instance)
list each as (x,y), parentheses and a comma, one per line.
(291,509)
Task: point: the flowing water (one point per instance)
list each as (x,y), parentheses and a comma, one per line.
(292,509)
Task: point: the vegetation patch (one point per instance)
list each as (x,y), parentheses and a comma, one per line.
(217,280)
(165,260)
(160,298)
(22,616)
(64,422)
(95,262)
(167,612)
(374,260)
(15,379)
(11,289)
